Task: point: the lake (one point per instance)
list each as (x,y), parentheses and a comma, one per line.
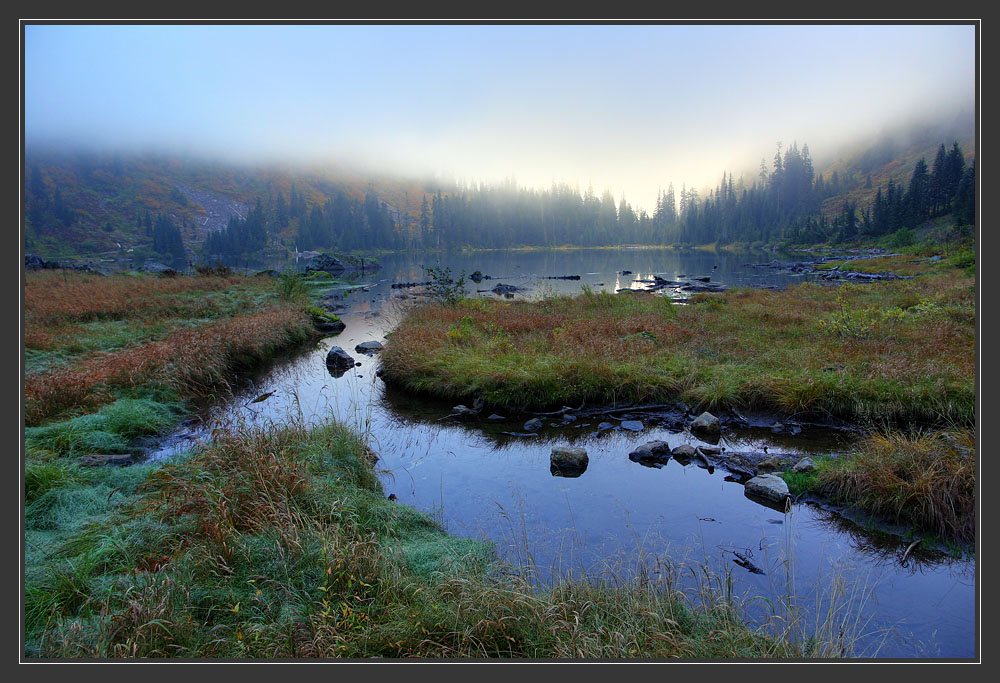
(619,518)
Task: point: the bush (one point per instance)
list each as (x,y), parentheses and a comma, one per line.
(904,237)
(443,287)
(291,288)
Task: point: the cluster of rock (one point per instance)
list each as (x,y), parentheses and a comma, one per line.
(339,361)
(835,273)
(758,472)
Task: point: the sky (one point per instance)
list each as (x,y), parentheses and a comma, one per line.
(626,108)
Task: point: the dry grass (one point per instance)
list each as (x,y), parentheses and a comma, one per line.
(191,362)
(55,297)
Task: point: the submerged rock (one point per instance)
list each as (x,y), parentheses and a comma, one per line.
(533,425)
(566,461)
(770,487)
(632,425)
(496,418)
(461,411)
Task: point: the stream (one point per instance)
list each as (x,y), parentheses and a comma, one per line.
(619,519)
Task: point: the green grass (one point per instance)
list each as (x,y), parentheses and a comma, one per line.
(110,430)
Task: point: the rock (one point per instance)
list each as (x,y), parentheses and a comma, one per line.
(569,418)
(632,425)
(772,463)
(339,358)
(657,451)
(658,447)
(476,277)
(33,262)
(327,264)
(603,426)
(767,486)
(710,450)
(368,347)
(566,461)
(706,426)
(683,453)
(496,418)
(505,289)
(804,465)
(626,272)
(330,327)
(154,267)
(97,460)
(533,425)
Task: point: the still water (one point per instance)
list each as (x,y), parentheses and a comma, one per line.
(483,484)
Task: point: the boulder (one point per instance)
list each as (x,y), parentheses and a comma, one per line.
(327,264)
(632,425)
(804,465)
(770,487)
(710,450)
(533,425)
(566,461)
(339,358)
(368,347)
(97,460)
(706,427)
(772,463)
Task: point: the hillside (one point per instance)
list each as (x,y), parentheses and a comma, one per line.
(864,167)
(96,204)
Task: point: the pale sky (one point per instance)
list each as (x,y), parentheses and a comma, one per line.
(628,108)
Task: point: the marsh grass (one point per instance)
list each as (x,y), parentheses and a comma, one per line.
(897,351)
(926,479)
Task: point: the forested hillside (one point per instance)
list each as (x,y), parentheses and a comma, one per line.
(79,204)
